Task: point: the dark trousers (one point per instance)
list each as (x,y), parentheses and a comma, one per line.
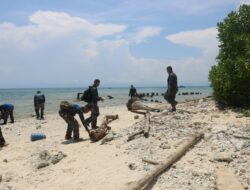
(73,126)
(38,107)
(94,114)
(170,97)
(6,114)
(2,141)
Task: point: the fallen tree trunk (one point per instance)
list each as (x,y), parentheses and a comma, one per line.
(147,125)
(167,163)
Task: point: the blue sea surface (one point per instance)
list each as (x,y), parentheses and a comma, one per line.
(23,99)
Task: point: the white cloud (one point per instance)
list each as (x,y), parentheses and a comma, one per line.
(56,48)
(46,25)
(204,39)
(145,33)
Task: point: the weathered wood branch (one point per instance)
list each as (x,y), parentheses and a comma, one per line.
(131,137)
(241,137)
(107,119)
(167,163)
(147,124)
(150,161)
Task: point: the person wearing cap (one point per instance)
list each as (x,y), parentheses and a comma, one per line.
(6,110)
(67,112)
(172,88)
(39,101)
(93,104)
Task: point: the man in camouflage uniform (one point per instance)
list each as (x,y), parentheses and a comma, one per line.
(93,105)
(6,111)
(172,88)
(39,101)
(68,113)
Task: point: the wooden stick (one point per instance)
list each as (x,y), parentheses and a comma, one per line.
(241,137)
(147,125)
(190,112)
(167,163)
(150,162)
(131,137)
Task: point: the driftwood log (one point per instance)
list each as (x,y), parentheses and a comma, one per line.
(167,163)
(150,161)
(131,137)
(107,119)
(147,124)
(100,132)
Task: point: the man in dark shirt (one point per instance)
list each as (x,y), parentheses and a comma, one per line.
(67,112)
(93,104)
(172,88)
(39,101)
(132,91)
(6,111)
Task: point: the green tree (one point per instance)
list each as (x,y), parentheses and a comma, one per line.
(230,78)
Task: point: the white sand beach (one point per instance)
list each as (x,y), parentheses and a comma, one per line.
(97,166)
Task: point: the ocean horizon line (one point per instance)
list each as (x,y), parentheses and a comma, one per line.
(104,87)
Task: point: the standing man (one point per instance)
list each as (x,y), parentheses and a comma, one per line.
(132,91)
(172,88)
(39,101)
(93,104)
(67,112)
(6,111)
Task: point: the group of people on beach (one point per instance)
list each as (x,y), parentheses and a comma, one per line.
(68,111)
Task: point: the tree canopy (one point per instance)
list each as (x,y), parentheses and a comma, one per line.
(230,78)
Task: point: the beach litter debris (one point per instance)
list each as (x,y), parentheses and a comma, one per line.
(37,136)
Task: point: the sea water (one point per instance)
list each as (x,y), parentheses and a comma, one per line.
(23,99)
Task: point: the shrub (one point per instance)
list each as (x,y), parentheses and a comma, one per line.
(230,78)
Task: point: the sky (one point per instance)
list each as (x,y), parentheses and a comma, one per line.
(62,43)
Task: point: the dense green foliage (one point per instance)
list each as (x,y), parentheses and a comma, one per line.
(246,113)
(230,78)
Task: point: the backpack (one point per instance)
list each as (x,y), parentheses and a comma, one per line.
(86,97)
(65,105)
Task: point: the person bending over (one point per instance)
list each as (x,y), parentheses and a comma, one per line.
(67,112)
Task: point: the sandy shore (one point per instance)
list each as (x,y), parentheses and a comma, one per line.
(97,166)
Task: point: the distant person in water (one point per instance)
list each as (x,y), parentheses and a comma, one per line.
(39,101)
(6,110)
(172,88)
(132,91)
